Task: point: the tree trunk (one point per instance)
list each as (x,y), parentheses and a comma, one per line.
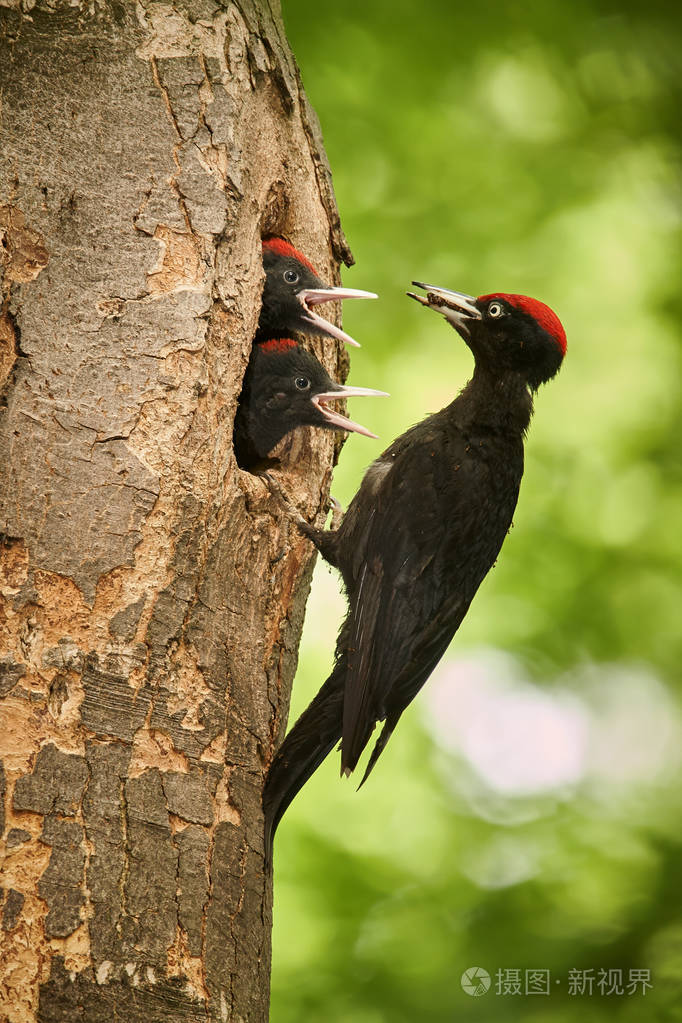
(152,594)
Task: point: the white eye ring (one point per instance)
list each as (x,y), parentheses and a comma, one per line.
(495,310)
(302,383)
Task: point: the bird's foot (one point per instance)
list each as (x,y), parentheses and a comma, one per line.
(337,513)
(283,499)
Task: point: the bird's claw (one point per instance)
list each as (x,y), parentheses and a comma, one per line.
(272,485)
(282,498)
(337,512)
(276,490)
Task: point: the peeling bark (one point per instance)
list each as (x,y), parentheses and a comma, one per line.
(151,594)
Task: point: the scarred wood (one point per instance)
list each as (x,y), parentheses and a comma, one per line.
(151,594)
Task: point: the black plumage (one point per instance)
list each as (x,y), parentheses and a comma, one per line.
(419,537)
(292,291)
(284,388)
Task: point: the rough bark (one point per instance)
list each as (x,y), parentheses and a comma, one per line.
(152,595)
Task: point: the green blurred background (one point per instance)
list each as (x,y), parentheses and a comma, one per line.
(527,812)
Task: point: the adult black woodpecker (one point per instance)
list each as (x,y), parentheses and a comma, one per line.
(420,535)
(286,387)
(291,291)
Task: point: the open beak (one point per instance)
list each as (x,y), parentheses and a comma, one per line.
(338,420)
(457,308)
(310,297)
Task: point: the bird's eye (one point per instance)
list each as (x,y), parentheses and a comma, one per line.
(495,310)
(290,276)
(302,383)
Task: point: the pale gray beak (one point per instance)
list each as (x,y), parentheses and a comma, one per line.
(310,297)
(336,418)
(459,309)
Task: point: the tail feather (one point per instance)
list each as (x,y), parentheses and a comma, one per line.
(352,750)
(386,733)
(305,747)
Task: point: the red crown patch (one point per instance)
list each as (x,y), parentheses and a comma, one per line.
(284,248)
(540,312)
(278,344)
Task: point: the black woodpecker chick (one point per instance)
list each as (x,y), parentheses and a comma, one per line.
(420,535)
(292,289)
(286,387)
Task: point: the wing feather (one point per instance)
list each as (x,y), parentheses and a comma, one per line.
(399,627)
